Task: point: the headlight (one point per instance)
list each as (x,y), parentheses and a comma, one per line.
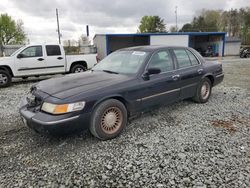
(62,108)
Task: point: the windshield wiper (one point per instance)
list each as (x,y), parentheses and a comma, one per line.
(109,71)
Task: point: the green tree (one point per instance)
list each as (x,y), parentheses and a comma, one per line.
(11,32)
(152,24)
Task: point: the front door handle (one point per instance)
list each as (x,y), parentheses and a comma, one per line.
(200,71)
(40,59)
(176,77)
(60,58)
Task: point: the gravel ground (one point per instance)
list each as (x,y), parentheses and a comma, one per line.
(182,145)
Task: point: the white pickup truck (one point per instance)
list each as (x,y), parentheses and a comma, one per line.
(36,60)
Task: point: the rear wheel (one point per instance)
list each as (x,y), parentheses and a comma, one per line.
(78,68)
(203,91)
(247,55)
(5,78)
(108,119)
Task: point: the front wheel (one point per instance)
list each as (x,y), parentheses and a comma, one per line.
(203,91)
(5,78)
(108,119)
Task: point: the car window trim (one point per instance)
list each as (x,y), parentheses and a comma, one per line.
(53,45)
(167,50)
(30,47)
(194,56)
(172,50)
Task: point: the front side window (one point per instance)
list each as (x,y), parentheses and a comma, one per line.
(182,58)
(123,62)
(161,60)
(53,50)
(33,51)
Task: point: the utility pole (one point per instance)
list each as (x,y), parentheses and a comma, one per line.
(58,28)
(176,27)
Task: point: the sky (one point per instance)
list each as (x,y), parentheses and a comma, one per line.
(102,16)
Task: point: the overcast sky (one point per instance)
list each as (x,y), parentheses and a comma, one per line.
(102,16)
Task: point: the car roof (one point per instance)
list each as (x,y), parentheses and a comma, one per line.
(150,48)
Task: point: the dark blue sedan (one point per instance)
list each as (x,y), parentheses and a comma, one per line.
(127,82)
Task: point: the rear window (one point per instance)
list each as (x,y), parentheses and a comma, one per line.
(53,50)
(182,58)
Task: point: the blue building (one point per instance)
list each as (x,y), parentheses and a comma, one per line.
(201,41)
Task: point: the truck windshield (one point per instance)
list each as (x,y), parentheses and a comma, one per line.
(122,62)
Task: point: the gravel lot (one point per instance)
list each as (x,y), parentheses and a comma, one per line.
(182,145)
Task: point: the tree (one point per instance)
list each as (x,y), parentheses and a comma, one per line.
(11,32)
(187,28)
(152,24)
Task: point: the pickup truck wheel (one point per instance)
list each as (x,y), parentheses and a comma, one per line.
(108,119)
(203,91)
(5,78)
(78,68)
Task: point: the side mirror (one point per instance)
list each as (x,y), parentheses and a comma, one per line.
(20,56)
(149,72)
(154,71)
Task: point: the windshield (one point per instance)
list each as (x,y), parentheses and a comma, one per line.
(122,62)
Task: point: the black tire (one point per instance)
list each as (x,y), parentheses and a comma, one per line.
(203,91)
(78,68)
(5,78)
(247,55)
(110,110)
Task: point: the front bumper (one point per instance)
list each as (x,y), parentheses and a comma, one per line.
(54,124)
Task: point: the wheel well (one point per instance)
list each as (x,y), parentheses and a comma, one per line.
(121,99)
(8,69)
(79,63)
(211,78)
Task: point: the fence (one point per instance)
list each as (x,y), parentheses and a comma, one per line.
(9,49)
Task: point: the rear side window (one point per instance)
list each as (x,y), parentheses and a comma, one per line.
(193,59)
(182,58)
(161,60)
(53,50)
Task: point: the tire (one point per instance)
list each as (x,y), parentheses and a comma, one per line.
(5,78)
(203,91)
(247,55)
(78,68)
(108,119)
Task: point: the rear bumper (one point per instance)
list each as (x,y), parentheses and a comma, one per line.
(54,124)
(218,79)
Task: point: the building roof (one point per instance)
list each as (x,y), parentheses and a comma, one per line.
(172,33)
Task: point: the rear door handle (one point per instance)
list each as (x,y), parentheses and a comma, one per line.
(176,77)
(200,71)
(59,58)
(40,59)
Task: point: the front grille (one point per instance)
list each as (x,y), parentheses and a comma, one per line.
(34,102)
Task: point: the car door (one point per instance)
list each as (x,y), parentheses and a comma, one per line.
(55,59)
(189,71)
(160,88)
(30,61)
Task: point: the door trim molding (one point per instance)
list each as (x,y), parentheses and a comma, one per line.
(158,94)
(34,68)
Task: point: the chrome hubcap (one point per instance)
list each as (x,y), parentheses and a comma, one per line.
(111,120)
(3,79)
(79,70)
(205,90)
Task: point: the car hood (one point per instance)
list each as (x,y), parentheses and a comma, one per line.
(73,84)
